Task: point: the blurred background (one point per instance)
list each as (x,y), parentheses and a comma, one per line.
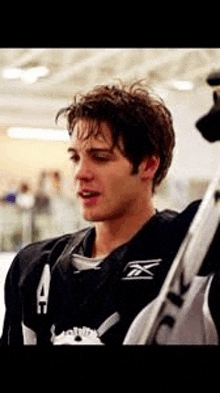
(36,191)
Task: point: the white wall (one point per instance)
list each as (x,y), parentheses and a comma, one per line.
(194,156)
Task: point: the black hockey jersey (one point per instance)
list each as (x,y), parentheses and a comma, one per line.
(48,301)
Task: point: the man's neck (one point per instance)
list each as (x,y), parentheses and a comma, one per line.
(113,233)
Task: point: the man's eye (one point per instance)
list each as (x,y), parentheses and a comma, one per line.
(74,158)
(102,157)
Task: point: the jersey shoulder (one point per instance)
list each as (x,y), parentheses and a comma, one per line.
(49,249)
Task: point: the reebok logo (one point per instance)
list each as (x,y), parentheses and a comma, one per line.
(140,269)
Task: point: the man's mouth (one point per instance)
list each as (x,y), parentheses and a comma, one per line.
(89,197)
(88,194)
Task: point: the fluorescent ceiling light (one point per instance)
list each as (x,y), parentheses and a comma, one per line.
(182,85)
(27,75)
(12,73)
(32,74)
(42,134)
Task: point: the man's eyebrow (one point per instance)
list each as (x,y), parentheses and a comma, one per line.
(71,150)
(98,149)
(91,150)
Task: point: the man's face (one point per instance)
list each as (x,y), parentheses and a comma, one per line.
(105,187)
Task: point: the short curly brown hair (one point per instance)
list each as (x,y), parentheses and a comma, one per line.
(137,117)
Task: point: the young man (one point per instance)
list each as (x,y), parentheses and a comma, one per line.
(87,287)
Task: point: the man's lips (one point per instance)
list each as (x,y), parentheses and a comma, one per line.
(89,197)
(87,194)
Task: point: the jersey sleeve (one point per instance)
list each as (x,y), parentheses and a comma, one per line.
(12,330)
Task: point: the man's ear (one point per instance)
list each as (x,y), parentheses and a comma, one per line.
(149,167)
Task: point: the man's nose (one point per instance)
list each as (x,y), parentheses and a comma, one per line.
(84,172)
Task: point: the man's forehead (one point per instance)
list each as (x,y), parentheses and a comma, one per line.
(88,132)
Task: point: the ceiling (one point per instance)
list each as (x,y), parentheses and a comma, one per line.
(26,100)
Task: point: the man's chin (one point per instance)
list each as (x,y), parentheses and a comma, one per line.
(93,217)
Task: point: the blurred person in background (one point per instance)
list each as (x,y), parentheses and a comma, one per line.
(87,287)
(25,197)
(10,196)
(25,202)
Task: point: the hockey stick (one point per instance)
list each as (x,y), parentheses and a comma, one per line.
(169,308)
